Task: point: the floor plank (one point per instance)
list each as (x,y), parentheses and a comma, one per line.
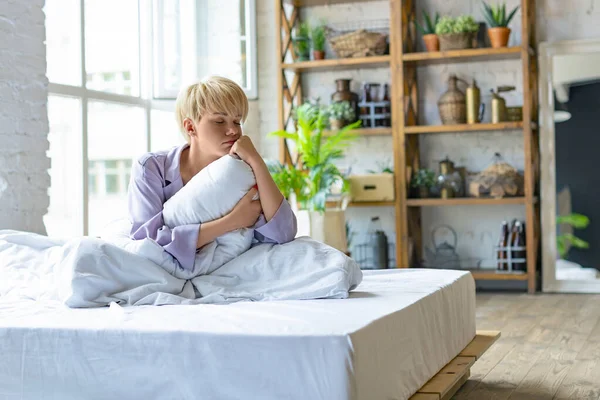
(549,348)
(582,382)
(543,380)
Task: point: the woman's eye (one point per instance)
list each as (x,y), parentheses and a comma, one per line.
(219,122)
(238,123)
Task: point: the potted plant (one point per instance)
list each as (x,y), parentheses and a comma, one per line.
(498,21)
(432,43)
(318,42)
(301,42)
(567,240)
(456,33)
(340,114)
(315,177)
(423,181)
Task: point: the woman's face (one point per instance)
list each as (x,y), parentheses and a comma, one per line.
(215,133)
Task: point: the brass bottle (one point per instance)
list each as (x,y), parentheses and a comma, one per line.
(473,95)
(499,111)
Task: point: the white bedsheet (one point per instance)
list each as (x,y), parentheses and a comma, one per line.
(383,342)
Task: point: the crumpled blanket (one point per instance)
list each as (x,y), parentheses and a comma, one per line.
(87,272)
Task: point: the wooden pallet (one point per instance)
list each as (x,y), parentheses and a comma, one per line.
(450,378)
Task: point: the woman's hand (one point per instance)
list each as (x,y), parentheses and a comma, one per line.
(244,149)
(246,212)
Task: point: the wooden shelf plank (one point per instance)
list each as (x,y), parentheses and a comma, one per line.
(463,55)
(367,62)
(312,3)
(364,204)
(502,126)
(492,275)
(367,132)
(465,201)
(482,341)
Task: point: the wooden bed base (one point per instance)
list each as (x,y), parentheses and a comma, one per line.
(450,378)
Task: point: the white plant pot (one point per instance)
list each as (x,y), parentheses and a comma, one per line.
(328,227)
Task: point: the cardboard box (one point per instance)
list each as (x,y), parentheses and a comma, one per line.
(372,187)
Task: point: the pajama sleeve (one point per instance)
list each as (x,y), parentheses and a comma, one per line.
(145,203)
(282,228)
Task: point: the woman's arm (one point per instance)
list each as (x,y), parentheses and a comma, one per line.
(244,215)
(270,196)
(279,224)
(145,202)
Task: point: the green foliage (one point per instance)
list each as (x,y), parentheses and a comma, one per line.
(423,178)
(288,179)
(318,37)
(577,221)
(303,30)
(382,167)
(342,111)
(449,25)
(496,15)
(316,154)
(429,26)
(465,23)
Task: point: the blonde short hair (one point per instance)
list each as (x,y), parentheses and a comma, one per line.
(213,94)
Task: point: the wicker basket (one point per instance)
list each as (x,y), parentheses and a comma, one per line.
(359,43)
(456,41)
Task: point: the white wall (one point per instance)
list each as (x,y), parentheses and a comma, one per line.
(557,20)
(24,178)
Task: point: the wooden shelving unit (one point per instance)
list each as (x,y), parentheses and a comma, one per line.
(367,132)
(362,62)
(503,126)
(403,62)
(466,201)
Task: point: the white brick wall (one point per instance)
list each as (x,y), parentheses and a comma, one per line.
(557,20)
(24,178)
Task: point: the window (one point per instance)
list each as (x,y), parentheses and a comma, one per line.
(114,68)
(222,33)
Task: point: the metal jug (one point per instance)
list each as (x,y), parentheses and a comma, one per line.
(499,111)
(443,255)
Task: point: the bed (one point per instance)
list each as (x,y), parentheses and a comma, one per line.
(387,340)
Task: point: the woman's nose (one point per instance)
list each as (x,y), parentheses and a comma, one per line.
(232,130)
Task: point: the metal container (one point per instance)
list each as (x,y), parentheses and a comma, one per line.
(475,109)
(499,111)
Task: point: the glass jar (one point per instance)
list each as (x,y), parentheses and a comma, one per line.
(449,181)
(343,93)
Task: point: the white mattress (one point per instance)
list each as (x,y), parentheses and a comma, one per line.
(384,342)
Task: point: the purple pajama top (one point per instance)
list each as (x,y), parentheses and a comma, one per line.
(154,179)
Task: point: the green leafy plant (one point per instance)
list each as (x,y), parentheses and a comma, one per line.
(577,221)
(423,178)
(318,174)
(429,25)
(465,23)
(302,41)
(382,167)
(318,37)
(462,24)
(341,111)
(496,16)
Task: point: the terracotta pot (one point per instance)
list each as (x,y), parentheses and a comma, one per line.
(318,54)
(336,124)
(432,42)
(499,36)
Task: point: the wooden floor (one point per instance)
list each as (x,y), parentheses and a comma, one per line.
(549,348)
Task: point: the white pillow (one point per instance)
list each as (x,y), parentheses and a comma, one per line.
(210,195)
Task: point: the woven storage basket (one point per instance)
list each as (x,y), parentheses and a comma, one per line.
(456,41)
(359,43)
